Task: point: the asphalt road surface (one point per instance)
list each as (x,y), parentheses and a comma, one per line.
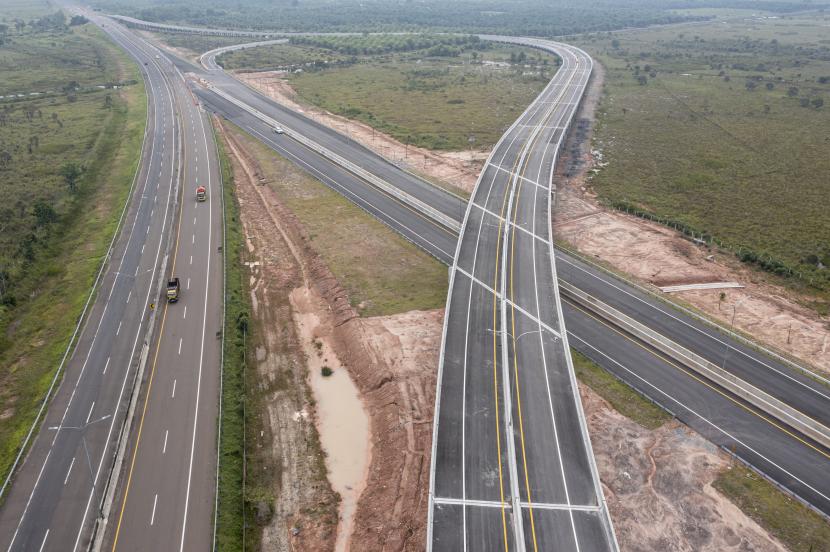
(784,456)
(57,492)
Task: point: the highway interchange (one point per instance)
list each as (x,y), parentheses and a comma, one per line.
(165,500)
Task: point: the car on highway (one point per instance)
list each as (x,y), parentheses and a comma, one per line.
(279,130)
(201,193)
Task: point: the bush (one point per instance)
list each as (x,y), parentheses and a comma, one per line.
(326,371)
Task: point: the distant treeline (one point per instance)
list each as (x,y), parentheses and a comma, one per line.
(368,45)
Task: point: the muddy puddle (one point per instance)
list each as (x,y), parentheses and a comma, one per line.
(342,420)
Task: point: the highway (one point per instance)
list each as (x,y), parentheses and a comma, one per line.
(167,490)
(56,494)
(60,494)
(785,457)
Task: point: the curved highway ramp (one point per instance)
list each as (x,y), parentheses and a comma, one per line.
(512,466)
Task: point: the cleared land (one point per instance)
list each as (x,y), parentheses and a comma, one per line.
(382,272)
(53,239)
(720,129)
(444,97)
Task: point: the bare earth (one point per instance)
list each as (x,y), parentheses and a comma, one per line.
(647,252)
(658,483)
(457,168)
(656,255)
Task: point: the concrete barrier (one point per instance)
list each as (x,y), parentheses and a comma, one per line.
(435,215)
(760,399)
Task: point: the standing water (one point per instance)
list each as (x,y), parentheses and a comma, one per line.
(342,421)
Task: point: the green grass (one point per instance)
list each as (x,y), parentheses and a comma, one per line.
(439,103)
(383,273)
(50,282)
(237,306)
(277,56)
(199,44)
(695,147)
(623,398)
(795,525)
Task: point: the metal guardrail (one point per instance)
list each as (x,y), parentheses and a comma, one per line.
(712,372)
(393,191)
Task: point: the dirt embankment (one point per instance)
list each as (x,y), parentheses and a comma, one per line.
(656,255)
(391,359)
(304,514)
(658,483)
(459,169)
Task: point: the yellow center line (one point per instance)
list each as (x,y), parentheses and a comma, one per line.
(152,374)
(707,384)
(495,357)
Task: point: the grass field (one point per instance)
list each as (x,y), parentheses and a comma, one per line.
(383,273)
(53,241)
(199,44)
(720,128)
(798,527)
(463,98)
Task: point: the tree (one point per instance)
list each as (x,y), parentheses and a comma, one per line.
(78,20)
(770,86)
(751,85)
(71,172)
(817,103)
(642,80)
(615,44)
(44,213)
(792,92)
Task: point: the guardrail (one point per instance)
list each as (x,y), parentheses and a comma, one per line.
(434,214)
(712,372)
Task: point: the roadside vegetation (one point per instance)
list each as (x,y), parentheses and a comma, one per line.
(623,398)
(526,17)
(231,512)
(795,525)
(383,273)
(720,130)
(199,44)
(68,155)
(441,93)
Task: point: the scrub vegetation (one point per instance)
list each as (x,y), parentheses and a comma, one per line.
(447,93)
(795,525)
(382,272)
(720,130)
(72,120)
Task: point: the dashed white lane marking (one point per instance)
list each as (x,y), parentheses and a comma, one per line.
(152,212)
(148,229)
(46,536)
(142,249)
(184,315)
(129,295)
(118,331)
(173,394)
(193,239)
(106,365)
(188,285)
(164,447)
(153,515)
(191,259)
(180,345)
(65,479)
(194,221)
(89,414)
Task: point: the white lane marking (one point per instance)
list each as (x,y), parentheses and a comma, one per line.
(119,329)
(188,285)
(173,394)
(89,415)
(65,479)
(202,347)
(135,343)
(194,221)
(29,502)
(106,365)
(42,544)
(142,249)
(184,315)
(152,212)
(193,239)
(148,229)
(153,515)
(164,447)
(180,345)
(129,295)
(191,259)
